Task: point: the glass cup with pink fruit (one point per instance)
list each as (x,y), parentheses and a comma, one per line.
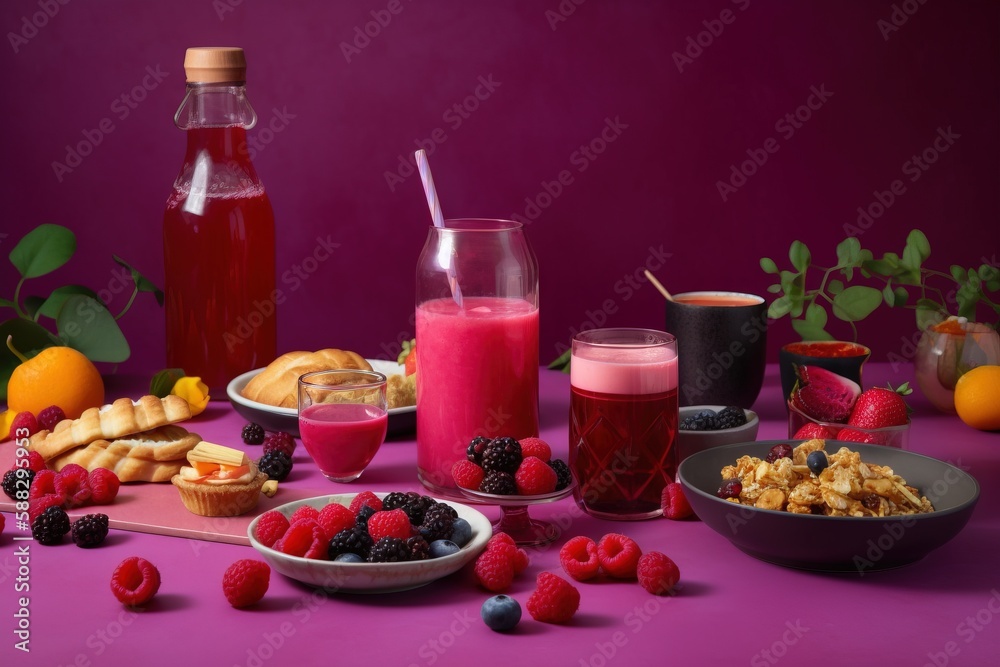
(342,420)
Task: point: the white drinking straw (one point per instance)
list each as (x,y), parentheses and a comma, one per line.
(424,167)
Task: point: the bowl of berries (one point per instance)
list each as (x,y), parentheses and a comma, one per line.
(368,542)
(702,427)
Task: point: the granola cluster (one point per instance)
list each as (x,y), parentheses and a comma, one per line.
(846,487)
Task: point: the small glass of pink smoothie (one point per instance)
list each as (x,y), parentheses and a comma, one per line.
(342,420)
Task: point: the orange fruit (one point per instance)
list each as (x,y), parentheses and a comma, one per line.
(977,398)
(55,376)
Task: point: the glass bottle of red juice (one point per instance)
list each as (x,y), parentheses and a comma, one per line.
(218,231)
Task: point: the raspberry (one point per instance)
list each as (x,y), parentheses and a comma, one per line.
(72,483)
(535,447)
(135,581)
(103,486)
(36,462)
(389,523)
(24,425)
(500,538)
(304,538)
(245,582)
(50,416)
(534,477)
(554,600)
(304,512)
(253,434)
(279,442)
(270,527)
(44,484)
(467,474)
(335,518)
(657,573)
(90,530)
(38,505)
(50,526)
(365,498)
(495,570)
(521,561)
(674,503)
(2,521)
(579,558)
(619,555)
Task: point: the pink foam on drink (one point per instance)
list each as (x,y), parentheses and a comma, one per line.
(342,438)
(624,370)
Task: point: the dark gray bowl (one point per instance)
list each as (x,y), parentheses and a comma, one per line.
(834,544)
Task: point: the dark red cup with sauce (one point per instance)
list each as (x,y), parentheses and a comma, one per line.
(844,359)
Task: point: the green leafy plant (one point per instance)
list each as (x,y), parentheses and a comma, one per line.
(897,280)
(81,319)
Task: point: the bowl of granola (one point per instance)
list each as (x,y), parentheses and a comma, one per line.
(826,505)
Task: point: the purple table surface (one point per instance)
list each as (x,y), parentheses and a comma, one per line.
(729,609)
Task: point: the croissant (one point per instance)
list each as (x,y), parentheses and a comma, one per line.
(277,384)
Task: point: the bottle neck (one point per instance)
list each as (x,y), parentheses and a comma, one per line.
(216,117)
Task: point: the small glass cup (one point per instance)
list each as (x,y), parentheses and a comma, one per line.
(342,420)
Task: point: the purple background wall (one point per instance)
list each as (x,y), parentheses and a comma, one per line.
(336,128)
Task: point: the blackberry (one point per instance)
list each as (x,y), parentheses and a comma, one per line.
(445,507)
(438,523)
(50,526)
(502,455)
(419,549)
(563,475)
(394,500)
(730,417)
(411,502)
(13,480)
(705,420)
(90,530)
(276,465)
(363,515)
(499,483)
(475,450)
(354,540)
(389,550)
(253,434)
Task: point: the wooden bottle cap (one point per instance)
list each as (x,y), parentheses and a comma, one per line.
(215,64)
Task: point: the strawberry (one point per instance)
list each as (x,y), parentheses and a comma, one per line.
(880,407)
(813,430)
(408,357)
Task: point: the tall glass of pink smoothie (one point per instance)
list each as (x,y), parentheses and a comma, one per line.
(477,342)
(623,420)
(342,420)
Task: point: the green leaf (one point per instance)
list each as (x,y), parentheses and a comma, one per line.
(889,295)
(911,261)
(142,283)
(561,363)
(29,338)
(856,303)
(779,307)
(816,315)
(6,303)
(768,265)
(810,331)
(86,325)
(929,312)
(799,255)
(51,306)
(900,297)
(43,250)
(774,289)
(848,252)
(164,381)
(957,272)
(32,304)
(990,276)
(879,267)
(835,287)
(918,241)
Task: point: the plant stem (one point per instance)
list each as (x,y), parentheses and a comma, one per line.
(17,299)
(129,304)
(14,350)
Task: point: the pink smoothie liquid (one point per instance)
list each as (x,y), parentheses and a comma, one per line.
(477,374)
(342,438)
(623,422)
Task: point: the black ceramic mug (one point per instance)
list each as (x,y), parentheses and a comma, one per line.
(721,346)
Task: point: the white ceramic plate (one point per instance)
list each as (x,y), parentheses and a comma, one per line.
(372,577)
(401,420)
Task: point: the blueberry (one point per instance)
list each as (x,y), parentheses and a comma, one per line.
(501,613)
(817,461)
(349,558)
(461,532)
(440,548)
